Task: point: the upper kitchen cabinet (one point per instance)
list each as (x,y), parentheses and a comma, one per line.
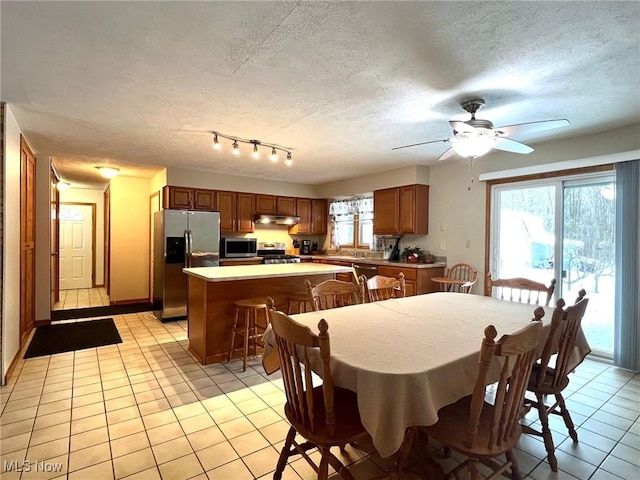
(266,204)
(245,210)
(286,206)
(227,205)
(313,217)
(185,198)
(319,215)
(401,210)
(236,212)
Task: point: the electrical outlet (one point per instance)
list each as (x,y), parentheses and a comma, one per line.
(442,245)
(467,244)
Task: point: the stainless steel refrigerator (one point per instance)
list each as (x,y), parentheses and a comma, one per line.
(182,238)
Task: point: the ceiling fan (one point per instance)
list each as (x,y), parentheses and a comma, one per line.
(475,137)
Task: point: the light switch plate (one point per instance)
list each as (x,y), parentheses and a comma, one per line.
(442,245)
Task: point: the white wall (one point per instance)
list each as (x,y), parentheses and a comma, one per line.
(201,179)
(130,239)
(11,243)
(376,181)
(87,195)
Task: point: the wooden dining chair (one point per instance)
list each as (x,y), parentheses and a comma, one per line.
(325,415)
(522,290)
(336,293)
(460,272)
(382,288)
(550,375)
(484,431)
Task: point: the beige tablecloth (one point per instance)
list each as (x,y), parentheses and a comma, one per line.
(407,358)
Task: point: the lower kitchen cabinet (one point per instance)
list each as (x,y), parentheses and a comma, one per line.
(418,280)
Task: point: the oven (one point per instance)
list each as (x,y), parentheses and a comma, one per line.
(275,253)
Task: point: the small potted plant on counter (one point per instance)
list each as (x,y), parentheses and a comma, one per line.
(413,254)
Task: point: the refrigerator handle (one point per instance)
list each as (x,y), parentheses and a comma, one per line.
(187,249)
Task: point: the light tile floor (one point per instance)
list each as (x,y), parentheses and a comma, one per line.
(82,298)
(145,409)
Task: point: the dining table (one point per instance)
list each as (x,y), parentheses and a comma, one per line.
(408,357)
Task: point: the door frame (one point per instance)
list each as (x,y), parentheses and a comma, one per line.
(93,238)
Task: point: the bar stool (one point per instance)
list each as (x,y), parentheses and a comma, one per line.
(298,303)
(248,330)
(301,300)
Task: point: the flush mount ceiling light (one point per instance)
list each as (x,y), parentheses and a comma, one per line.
(257,144)
(108,172)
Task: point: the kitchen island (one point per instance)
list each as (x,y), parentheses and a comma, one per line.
(213,291)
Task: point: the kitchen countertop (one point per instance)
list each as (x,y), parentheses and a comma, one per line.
(374,261)
(252,272)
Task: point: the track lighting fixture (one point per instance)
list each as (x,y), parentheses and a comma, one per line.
(256,147)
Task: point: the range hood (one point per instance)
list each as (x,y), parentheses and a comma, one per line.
(277,219)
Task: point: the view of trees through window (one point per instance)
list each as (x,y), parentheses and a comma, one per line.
(526,230)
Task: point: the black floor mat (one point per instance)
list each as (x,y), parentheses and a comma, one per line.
(67,337)
(100,311)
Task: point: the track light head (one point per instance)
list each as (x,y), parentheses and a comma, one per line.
(236,148)
(274,155)
(216,144)
(288,162)
(256,153)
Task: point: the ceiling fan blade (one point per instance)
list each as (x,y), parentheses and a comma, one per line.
(508,145)
(461,126)
(530,127)
(416,144)
(448,153)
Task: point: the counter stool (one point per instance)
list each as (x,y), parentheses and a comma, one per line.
(249,329)
(299,303)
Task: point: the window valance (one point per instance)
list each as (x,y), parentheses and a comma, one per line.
(360,205)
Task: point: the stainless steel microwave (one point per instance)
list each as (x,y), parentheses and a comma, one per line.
(238,247)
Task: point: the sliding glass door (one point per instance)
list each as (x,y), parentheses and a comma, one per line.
(562,229)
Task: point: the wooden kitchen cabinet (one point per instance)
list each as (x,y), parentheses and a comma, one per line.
(303,208)
(417,280)
(313,217)
(204,199)
(319,216)
(177,197)
(186,198)
(401,210)
(266,204)
(226,202)
(386,208)
(286,206)
(245,211)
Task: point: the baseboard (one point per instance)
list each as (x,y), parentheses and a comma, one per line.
(42,323)
(101,311)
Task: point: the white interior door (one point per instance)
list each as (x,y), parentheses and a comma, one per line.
(76,246)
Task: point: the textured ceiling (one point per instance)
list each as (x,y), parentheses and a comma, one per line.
(138,84)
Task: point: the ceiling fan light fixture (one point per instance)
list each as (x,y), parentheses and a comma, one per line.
(472,147)
(108,172)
